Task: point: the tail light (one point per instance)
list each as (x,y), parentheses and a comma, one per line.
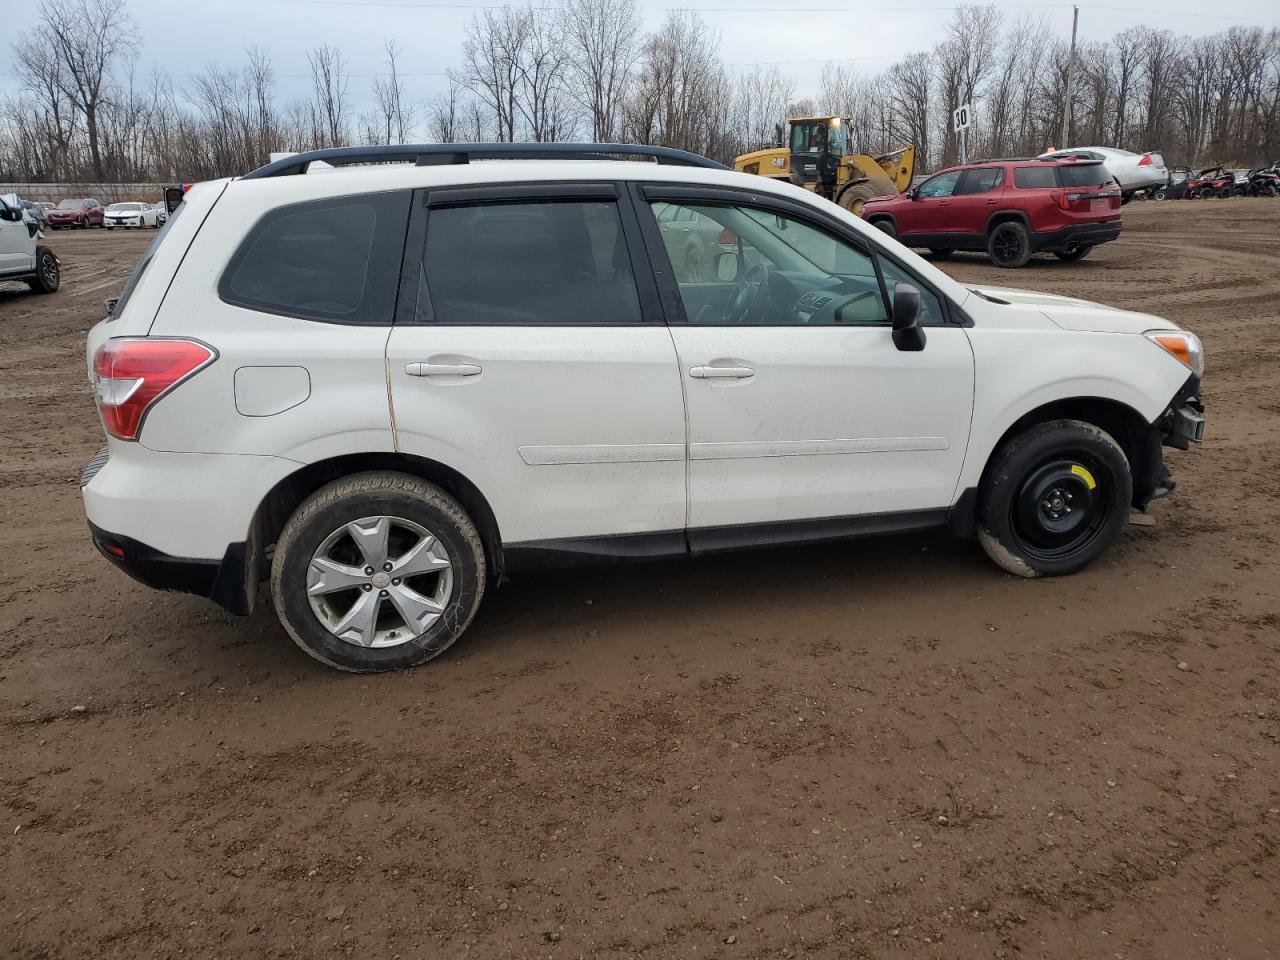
(728,238)
(1145,161)
(131,374)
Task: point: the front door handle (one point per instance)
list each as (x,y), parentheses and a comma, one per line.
(721,373)
(422,369)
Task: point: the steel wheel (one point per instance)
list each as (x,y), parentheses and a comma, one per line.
(379,581)
(1060,508)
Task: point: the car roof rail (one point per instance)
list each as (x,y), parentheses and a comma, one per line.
(431,154)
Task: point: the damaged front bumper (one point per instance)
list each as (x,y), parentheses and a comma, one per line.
(1179,426)
(1182,423)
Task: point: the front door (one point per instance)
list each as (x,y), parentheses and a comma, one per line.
(16,248)
(522,358)
(926,220)
(976,197)
(800,408)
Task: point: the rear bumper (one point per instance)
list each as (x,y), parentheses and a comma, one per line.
(181,521)
(1077,235)
(224,581)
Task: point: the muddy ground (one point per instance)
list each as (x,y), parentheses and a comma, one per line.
(884,749)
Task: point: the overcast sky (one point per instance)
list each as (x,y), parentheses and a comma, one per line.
(181,36)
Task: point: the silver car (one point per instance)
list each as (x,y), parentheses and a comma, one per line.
(1133,171)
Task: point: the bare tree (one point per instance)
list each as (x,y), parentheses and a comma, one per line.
(389,92)
(329,90)
(87,37)
(911,83)
(965,61)
(602,39)
(491,59)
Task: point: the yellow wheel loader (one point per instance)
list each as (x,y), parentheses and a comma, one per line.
(818,159)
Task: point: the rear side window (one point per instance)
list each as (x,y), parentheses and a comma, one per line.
(980,180)
(543,263)
(1083,174)
(1034,178)
(132,283)
(335,260)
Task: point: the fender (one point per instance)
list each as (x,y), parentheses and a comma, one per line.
(1020,371)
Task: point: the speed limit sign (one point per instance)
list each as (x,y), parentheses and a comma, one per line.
(963,118)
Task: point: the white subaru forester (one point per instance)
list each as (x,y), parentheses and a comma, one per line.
(382,377)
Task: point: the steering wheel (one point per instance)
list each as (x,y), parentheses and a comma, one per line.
(751,293)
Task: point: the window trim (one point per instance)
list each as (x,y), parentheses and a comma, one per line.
(424,199)
(227,296)
(644,193)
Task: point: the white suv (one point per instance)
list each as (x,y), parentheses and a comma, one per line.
(383,384)
(21,256)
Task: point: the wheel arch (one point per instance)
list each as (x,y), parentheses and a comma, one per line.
(1136,436)
(1003,216)
(284,498)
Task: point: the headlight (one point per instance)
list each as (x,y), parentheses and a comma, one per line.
(1183,345)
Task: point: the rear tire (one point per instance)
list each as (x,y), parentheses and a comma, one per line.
(1053,499)
(408,620)
(886,227)
(1009,244)
(1074,253)
(48,273)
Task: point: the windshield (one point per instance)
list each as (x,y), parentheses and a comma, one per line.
(70,204)
(129,207)
(809,137)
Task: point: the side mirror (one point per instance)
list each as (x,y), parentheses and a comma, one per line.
(11,214)
(913,193)
(908,335)
(726,266)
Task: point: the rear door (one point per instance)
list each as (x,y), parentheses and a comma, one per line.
(529,354)
(976,197)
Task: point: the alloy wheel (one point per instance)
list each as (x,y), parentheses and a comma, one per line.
(379,581)
(49,270)
(1007,245)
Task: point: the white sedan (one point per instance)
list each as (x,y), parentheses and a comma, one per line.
(130,215)
(1133,171)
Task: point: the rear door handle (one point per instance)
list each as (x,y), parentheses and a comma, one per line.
(721,373)
(422,369)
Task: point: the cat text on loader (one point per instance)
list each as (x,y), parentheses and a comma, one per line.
(818,159)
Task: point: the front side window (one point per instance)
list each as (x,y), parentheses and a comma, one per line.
(943,185)
(543,263)
(766,268)
(335,260)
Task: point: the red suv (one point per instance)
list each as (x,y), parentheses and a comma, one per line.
(76,213)
(1009,208)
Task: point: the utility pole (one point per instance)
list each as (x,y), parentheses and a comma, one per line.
(1071,65)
